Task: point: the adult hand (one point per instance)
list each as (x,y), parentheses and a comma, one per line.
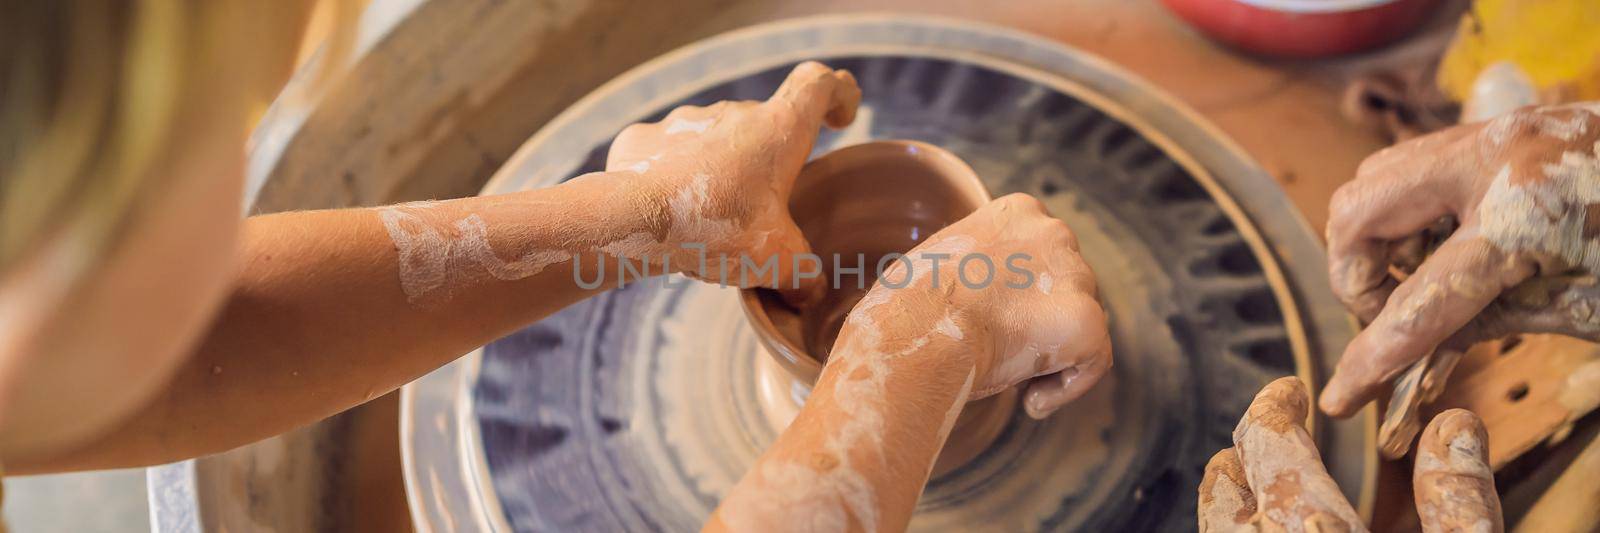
(1273,479)
(720,176)
(1037,318)
(1524,190)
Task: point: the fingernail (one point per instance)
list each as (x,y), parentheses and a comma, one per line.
(1035,406)
(1455,421)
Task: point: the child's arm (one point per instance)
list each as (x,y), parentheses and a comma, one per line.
(333,308)
(908,360)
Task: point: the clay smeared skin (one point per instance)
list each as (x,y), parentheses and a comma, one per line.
(716,177)
(1453,483)
(907,361)
(1522,188)
(1273,478)
(332,308)
(1226,503)
(773,137)
(1293,490)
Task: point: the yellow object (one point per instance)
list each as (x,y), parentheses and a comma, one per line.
(1555,42)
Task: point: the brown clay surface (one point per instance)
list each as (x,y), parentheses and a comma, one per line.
(872,199)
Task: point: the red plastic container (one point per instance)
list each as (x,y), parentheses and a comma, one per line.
(1303,28)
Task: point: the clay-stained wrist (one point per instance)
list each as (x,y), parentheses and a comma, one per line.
(632,209)
(917,322)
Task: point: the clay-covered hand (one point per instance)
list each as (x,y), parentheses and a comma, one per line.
(720,176)
(1007,282)
(1522,193)
(1273,478)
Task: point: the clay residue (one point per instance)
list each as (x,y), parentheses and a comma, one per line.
(1567,130)
(1030,358)
(829,482)
(679,125)
(1415,313)
(1453,483)
(1357,279)
(435,258)
(1546,217)
(1292,488)
(1579,307)
(442,250)
(691,218)
(1226,502)
(1499,131)
(474,242)
(803,508)
(947,327)
(920,266)
(952,414)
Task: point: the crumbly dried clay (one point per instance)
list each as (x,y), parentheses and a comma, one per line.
(1453,483)
(1546,218)
(1226,503)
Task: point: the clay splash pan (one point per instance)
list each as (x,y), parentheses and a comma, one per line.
(637,410)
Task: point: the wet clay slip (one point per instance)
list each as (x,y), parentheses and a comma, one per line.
(860,204)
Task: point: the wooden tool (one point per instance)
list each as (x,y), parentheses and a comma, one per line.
(1400,420)
(1423,383)
(1527,389)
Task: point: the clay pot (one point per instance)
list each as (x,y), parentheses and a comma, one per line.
(859,204)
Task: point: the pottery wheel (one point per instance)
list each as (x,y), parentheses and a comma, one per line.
(638,410)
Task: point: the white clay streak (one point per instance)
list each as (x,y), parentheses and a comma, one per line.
(948,328)
(432,260)
(679,125)
(1546,218)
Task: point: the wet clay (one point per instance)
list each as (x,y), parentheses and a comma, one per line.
(864,205)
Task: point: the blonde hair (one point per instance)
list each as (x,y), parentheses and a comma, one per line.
(94,95)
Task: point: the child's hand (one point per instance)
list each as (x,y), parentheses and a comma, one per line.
(720,176)
(1037,317)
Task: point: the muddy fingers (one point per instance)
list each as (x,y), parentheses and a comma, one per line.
(1453,483)
(1452,287)
(1293,489)
(1226,503)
